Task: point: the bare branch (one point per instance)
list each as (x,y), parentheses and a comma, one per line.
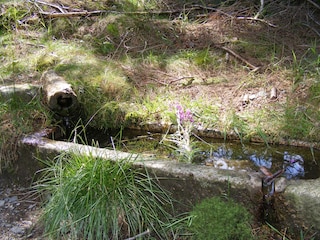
(314,4)
(72,14)
(250,65)
(139,235)
(260,9)
(258,20)
(49,4)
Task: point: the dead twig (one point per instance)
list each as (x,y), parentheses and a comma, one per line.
(80,13)
(312,28)
(180,79)
(49,4)
(257,20)
(314,4)
(260,9)
(73,14)
(250,65)
(213,9)
(147,232)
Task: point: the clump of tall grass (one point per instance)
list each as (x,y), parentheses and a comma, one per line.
(95,198)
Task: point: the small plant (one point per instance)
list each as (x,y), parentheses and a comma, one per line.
(95,198)
(217,219)
(182,137)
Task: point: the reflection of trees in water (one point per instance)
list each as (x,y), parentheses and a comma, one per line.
(261,161)
(293,165)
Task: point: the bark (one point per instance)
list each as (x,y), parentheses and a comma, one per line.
(59,95)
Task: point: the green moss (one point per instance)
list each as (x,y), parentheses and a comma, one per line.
(217,219)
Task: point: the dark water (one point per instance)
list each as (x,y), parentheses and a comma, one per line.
(296,162)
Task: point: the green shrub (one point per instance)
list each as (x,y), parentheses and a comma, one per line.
(217,219)
(95,198)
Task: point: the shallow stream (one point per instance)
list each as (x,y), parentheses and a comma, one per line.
(296,162)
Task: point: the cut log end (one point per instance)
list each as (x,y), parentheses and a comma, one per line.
(58,94)
(62,101)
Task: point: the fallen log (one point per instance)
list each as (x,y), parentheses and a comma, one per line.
(58,95)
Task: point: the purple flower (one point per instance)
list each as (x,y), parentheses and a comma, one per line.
(184,116)
(188,115)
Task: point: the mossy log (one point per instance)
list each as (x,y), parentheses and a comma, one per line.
(59,95)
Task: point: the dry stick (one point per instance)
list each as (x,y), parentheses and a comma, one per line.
(314,4)
(213,9)
(260,9)
(139,235)
(239,18)
(253,67)
(313,19)
(179,79)
(312,28)
(73,14)
(49,4)
(98,12)
(257,20)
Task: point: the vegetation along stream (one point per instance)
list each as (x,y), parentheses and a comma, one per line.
(93,71)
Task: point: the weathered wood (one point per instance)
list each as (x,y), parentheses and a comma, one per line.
(58,94)
(273,93)
(72,14)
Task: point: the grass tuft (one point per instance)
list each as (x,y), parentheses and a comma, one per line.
(95,198)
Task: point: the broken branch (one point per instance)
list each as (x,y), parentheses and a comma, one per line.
(49,4)
(72,14)
(250,65)
(314,4)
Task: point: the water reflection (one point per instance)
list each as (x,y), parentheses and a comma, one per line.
(261,161)
(293,164)
(223,152)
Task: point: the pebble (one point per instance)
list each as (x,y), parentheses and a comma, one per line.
(12,199)
(17,230)
(32,206)
(2,202)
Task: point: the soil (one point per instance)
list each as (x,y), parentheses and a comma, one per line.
(20,209)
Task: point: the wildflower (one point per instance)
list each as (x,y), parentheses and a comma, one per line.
(182,137)
(184,116)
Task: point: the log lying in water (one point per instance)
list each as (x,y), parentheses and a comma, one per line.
(58,94)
